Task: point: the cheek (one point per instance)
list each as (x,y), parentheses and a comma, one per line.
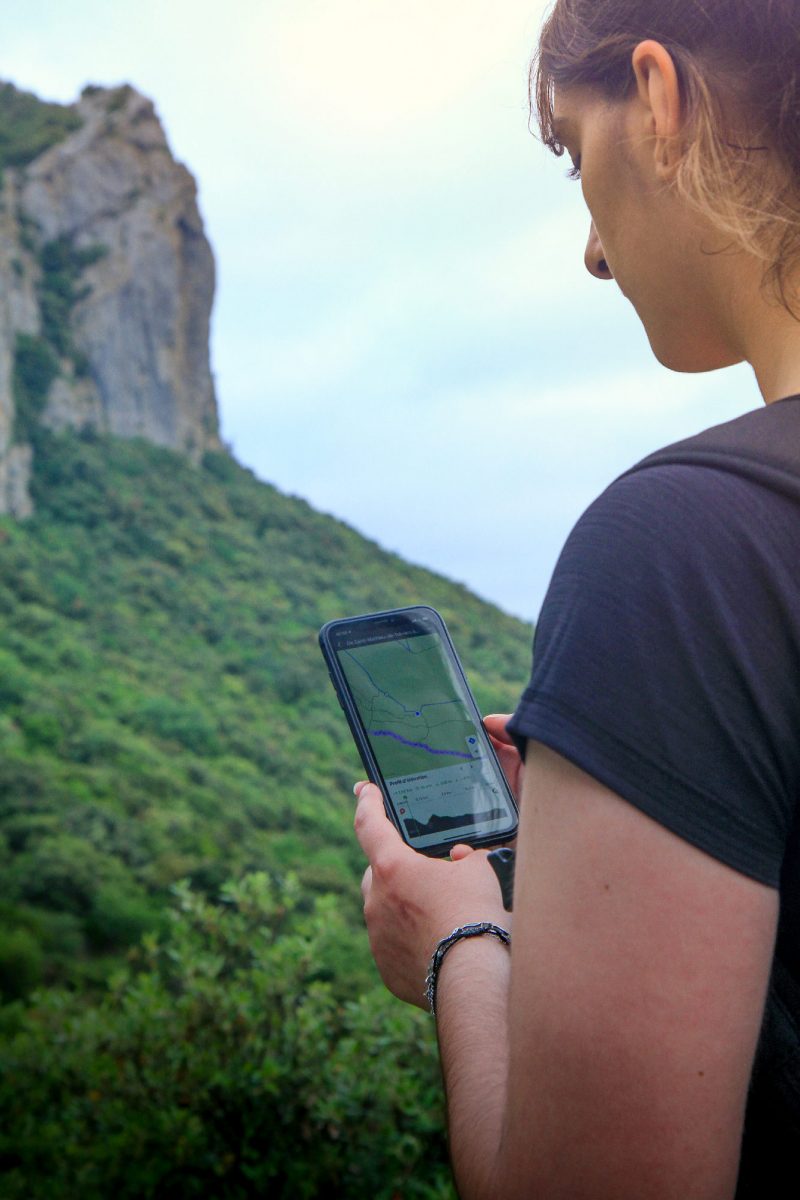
(681,334)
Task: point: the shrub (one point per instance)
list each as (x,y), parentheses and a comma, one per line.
(35,368)
(62,264)
(221,1064)
(29,126)
(20,963)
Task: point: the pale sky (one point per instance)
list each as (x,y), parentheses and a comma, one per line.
(404,332)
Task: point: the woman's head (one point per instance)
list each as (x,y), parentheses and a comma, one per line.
(738,69)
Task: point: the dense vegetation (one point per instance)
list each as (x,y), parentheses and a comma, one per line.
(166,722)
(38,359)
(35,367)
(62,264)
(29,126)
(225,1064)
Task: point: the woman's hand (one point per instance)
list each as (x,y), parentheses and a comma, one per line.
(412,901)
(506,750)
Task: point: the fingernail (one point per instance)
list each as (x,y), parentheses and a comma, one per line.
(361,783)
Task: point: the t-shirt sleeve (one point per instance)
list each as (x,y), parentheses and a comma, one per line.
(665,661)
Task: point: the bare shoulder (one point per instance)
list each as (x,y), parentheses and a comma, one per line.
(639,976)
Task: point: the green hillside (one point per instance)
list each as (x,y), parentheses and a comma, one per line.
(166,719)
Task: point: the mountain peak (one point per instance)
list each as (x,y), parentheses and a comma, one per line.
(106,281)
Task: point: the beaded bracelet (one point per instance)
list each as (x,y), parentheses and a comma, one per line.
(463,931)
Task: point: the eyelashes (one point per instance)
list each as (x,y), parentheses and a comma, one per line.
(558,149)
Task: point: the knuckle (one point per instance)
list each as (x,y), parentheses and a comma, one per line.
(385,869)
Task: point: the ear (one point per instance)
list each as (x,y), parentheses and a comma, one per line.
(660,94)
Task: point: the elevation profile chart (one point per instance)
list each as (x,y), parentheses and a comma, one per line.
(431,752)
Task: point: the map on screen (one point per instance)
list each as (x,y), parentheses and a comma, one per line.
(411,705)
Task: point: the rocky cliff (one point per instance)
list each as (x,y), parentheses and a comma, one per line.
(106,283)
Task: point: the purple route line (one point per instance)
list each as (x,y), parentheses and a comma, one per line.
(419,745)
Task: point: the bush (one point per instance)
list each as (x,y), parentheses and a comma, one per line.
(62,264)
(221,1064)
(20,963)
(59,872)
(120,918)
(175,720)
(35,368)
(29,126)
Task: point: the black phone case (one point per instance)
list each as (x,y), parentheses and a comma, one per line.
(440,849)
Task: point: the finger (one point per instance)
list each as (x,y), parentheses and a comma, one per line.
(358,787)
(460,852)
(495,725)
(507,755)
(374,830)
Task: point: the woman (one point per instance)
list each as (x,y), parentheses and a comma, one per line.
(640,1040)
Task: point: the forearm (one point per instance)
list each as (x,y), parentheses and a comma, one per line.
(472,1025)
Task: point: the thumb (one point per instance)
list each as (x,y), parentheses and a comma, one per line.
(374,830)
(495,726)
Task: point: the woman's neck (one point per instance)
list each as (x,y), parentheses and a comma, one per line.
(774,355)
(765,333)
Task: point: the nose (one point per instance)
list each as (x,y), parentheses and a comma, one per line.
(595,256)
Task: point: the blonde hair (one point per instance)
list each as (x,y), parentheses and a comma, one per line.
(739,71)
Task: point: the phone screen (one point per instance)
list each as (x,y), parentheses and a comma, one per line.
(423,729)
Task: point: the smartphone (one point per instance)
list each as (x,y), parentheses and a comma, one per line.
(418,729)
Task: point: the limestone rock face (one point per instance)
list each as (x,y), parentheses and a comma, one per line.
(127,333)
(19,313)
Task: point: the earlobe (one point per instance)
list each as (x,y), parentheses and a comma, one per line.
(659,92)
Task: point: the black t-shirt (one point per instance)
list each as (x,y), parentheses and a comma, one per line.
(667,666)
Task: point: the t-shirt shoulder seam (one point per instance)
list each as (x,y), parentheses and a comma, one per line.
(723,462)
(668,775)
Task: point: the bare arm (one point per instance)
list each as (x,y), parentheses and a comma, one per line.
(612,1059)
